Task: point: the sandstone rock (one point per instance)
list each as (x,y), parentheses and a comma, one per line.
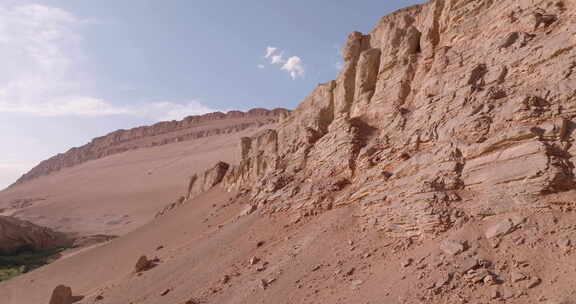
(501,228)
(143,264)
(16,235)
(62,295)
(165,292)
(533,282)
(254,260)
(516,276)
(263,284)
(452,247)
(248,210)
(204,182)
(407,262)
(418,98)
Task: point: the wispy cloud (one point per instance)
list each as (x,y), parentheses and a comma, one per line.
(270,51)
(261,66)
(293,65)
(44,68)
(277,59)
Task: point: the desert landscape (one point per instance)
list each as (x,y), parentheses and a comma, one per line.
(437,168)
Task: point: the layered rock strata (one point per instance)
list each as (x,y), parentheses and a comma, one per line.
(445,111)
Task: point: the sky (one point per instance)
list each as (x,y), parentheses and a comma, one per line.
(73,70)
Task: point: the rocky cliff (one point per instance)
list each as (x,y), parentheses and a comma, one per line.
(446,111)
(437,168)
(192,127)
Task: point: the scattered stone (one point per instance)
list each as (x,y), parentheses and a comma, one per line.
(489,280)
(159,247)
(99,297)
(516,276)
(261,267)
(263,284)
(476,275)
(61,295)
(316,267)
(260,244)
(564,243)
(357,283)
(165,292)
(350,272)
(407,262)
(499,229)
(143,264)
(248,210)
(534,282)
(444,279)
(452,247)
(225,279)
(254,261)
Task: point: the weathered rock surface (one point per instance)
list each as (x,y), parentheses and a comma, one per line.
(445,111)
(199,183)
(191,127)
(61,295)
(16,234)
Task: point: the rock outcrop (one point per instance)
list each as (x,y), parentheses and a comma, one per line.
(445,111)
(17,235)
(61,295)
(190,128)
(199,183)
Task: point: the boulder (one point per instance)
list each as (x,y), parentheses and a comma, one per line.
(62,295)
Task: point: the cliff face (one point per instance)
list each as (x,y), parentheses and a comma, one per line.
(446,111)
(192,127)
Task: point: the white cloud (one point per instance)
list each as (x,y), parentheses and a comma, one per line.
(294,67)
(270,51)
(45,68)
(277,59)
(89,106)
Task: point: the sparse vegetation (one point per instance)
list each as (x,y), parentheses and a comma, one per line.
(24,261)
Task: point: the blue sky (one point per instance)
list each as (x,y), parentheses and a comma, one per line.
(74,70)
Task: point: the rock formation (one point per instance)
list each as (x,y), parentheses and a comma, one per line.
(198,184)
(16,235)
(431,121)
(61,295)
(191,127)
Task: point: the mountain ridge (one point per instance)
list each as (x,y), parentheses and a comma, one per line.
(129,139)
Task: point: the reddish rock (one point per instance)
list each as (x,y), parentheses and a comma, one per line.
(16,234)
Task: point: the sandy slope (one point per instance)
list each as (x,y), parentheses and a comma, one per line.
(118,193)
(322,259)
